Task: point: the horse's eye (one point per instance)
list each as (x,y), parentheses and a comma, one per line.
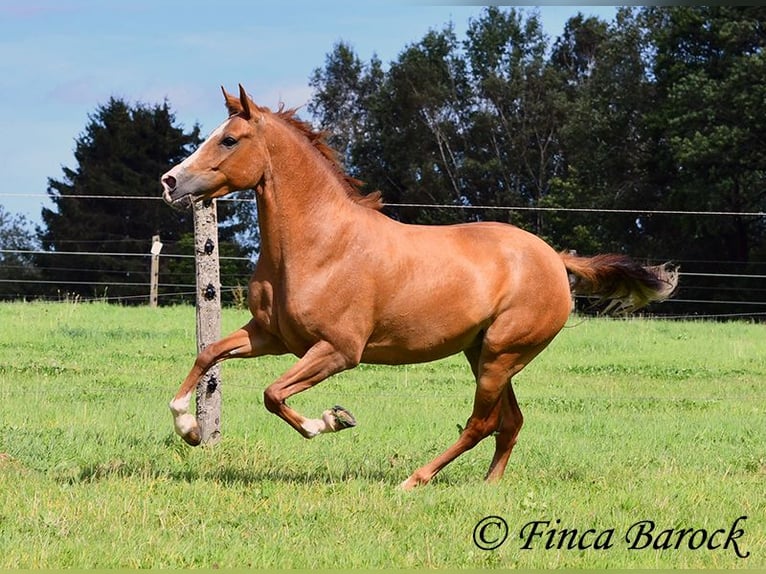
(229,141)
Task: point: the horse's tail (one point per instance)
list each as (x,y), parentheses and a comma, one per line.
(620,281)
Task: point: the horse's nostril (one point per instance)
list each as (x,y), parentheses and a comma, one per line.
(169,181)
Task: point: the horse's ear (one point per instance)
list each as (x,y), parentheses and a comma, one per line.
(233,104)
(244,102)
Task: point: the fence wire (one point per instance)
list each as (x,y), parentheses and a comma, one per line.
(753,307)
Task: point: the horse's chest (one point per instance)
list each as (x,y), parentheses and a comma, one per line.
(271,310)
(260,300)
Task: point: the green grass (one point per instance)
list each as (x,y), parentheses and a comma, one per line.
(625,421)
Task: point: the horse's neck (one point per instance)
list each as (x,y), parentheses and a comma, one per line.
(301,204)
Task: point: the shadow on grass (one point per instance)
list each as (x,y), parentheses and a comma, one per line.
(227,475)
(233,476)
(171,460)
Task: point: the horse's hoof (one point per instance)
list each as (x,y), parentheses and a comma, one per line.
(192,438)
(188,429)
(342,418)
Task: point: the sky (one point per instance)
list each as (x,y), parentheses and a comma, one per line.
(61,59)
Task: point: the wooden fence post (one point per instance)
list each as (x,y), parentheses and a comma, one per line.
(208,316)
(155,271)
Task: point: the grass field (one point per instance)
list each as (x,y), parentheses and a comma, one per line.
(626,421)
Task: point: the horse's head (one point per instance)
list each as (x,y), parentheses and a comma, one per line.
(233,157)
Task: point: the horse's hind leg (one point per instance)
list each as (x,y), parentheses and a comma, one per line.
(481,424)
(511,420)
(249,341)
(493,376)
(495,409)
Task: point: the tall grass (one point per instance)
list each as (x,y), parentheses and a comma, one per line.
(625,421)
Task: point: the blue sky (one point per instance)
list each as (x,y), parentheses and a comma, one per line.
(60,59)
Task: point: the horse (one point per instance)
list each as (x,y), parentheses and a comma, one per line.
(339,283)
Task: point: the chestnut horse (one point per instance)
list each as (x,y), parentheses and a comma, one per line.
(338,282)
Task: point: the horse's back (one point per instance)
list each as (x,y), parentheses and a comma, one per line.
(507,259)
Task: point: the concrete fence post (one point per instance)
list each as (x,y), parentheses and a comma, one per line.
(208,316)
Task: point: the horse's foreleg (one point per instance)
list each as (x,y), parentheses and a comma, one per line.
(321,361)
(249,341)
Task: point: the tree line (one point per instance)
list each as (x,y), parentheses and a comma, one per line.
(659,110)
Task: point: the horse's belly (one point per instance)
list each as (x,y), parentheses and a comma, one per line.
(419,343)
(397,355)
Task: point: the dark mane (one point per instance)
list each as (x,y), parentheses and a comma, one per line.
(319,140)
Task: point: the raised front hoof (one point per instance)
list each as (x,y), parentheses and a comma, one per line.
(188,429)
(340,418)
(192,438)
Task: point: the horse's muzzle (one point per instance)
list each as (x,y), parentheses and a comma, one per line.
(171,194)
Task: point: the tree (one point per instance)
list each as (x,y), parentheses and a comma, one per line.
(398,130)
(709,127)
(417,123)
(122,153)
(517,113)
(458,123)
(17,271)
(707,131)
(604,136)
(340,104)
